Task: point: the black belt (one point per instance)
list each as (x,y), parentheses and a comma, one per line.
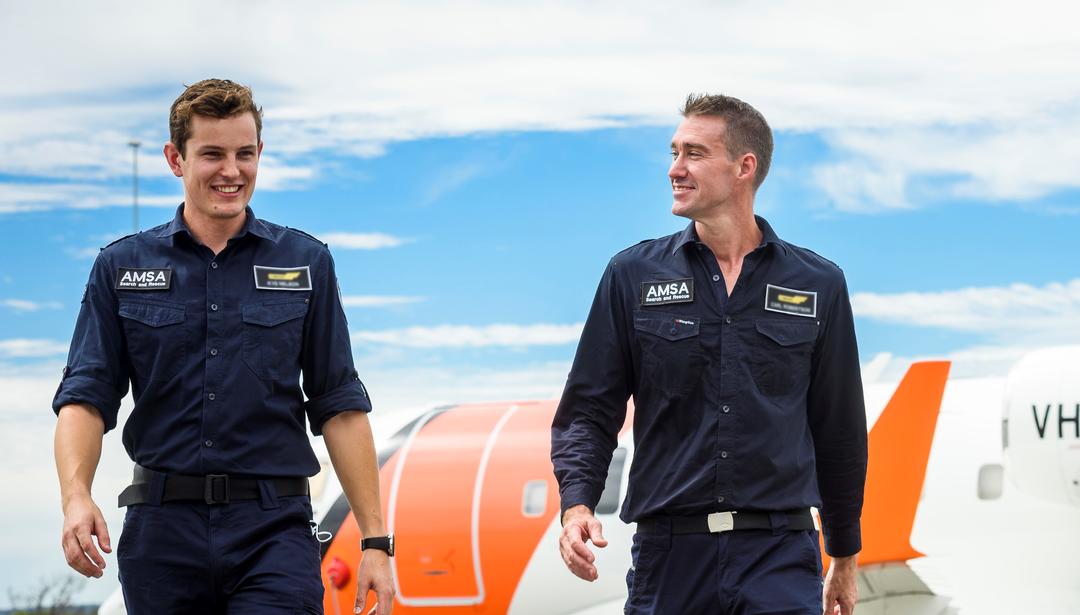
(212,488)
(727,521)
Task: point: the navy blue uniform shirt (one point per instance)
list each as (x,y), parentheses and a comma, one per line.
(751,402)
(213,347)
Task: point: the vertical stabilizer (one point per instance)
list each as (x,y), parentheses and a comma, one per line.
(899,450)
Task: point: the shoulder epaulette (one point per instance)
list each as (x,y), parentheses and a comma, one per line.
(115,241)
(308,235)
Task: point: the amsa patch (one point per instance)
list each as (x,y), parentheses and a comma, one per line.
(282,278)
(665,292)
(791,301)
(134,278)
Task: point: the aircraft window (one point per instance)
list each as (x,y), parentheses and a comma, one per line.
(991,481)
(534,499)
(609,500)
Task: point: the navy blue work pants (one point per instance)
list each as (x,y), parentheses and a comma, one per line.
(245,557)
(743,572)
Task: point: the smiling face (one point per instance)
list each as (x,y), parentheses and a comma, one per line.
(704,177)
(219,165)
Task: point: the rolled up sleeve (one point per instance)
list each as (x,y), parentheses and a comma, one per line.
(96,372)
(331,383)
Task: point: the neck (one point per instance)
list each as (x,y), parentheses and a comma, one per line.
(213,233)
(730,234)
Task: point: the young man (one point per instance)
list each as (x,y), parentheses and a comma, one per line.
(212,318)
(739,350)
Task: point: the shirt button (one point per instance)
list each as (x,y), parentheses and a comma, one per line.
(209,443)
(213,307)
(213,265)
(725,408)
(727,320)
(212,397)
(723,454)
(720,499)
(715,278)
(213,353)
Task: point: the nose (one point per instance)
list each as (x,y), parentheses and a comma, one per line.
(677,170)
(229,168)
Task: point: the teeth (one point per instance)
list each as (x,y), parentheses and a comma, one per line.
(227,189)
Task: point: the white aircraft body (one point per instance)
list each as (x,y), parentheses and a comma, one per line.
(469,493)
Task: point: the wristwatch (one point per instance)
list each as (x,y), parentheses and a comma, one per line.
(382,543)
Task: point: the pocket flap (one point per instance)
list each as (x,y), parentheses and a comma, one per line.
(153,314)
(273,314)
(788,333)
(668,326)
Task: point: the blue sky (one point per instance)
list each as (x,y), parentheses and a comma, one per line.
(473,166)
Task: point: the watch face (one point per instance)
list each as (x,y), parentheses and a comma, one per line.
(390,539)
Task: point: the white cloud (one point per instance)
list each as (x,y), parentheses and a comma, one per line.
(1017,314)
(22,197)
(24,305)
(462,336)
(361,241)
(31,348)
(1023,159)
(979,93)
(360,301)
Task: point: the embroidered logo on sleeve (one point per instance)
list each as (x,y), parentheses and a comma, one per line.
(131,278)
(789,301)
(665,292)
(282,278)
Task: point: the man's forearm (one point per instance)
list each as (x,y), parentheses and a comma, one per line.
(352,451)
(77,448)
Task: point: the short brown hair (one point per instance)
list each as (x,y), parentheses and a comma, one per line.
(745,128)
(216,98)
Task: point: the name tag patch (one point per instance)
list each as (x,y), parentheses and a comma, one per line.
(665,292)
(282,278)
(131,278)
(790,301)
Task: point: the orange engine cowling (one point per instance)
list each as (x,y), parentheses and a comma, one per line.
(468,493)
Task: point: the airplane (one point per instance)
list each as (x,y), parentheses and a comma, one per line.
(469,492)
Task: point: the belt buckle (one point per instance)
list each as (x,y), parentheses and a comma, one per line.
(212,480)
(721,522)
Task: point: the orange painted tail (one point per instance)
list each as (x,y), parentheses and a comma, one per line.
(899,450)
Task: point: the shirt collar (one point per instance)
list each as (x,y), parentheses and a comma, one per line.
(252,225)
(768,235)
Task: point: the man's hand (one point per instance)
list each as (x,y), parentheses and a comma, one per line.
(82,523)
(374,575)
(841,588)
(579,525)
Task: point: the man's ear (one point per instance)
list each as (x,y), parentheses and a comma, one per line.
(748,166)
(173,158)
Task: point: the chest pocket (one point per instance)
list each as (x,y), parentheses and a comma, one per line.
(671,355)
(156,338)
(273,332)
(780,356)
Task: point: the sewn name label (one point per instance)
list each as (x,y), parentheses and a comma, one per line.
(134,278)
(791,301)
(664,292)
(282,278)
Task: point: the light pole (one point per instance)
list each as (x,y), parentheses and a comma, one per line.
(135,183)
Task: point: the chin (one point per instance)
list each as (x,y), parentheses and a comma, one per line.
(228,211)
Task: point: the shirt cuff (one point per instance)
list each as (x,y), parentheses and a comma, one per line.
(86,390)
(349,396)
(578,494)
(843,541)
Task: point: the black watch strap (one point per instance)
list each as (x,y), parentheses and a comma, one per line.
(382,543)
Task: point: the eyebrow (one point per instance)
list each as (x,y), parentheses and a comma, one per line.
(691,145)
(217,148)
